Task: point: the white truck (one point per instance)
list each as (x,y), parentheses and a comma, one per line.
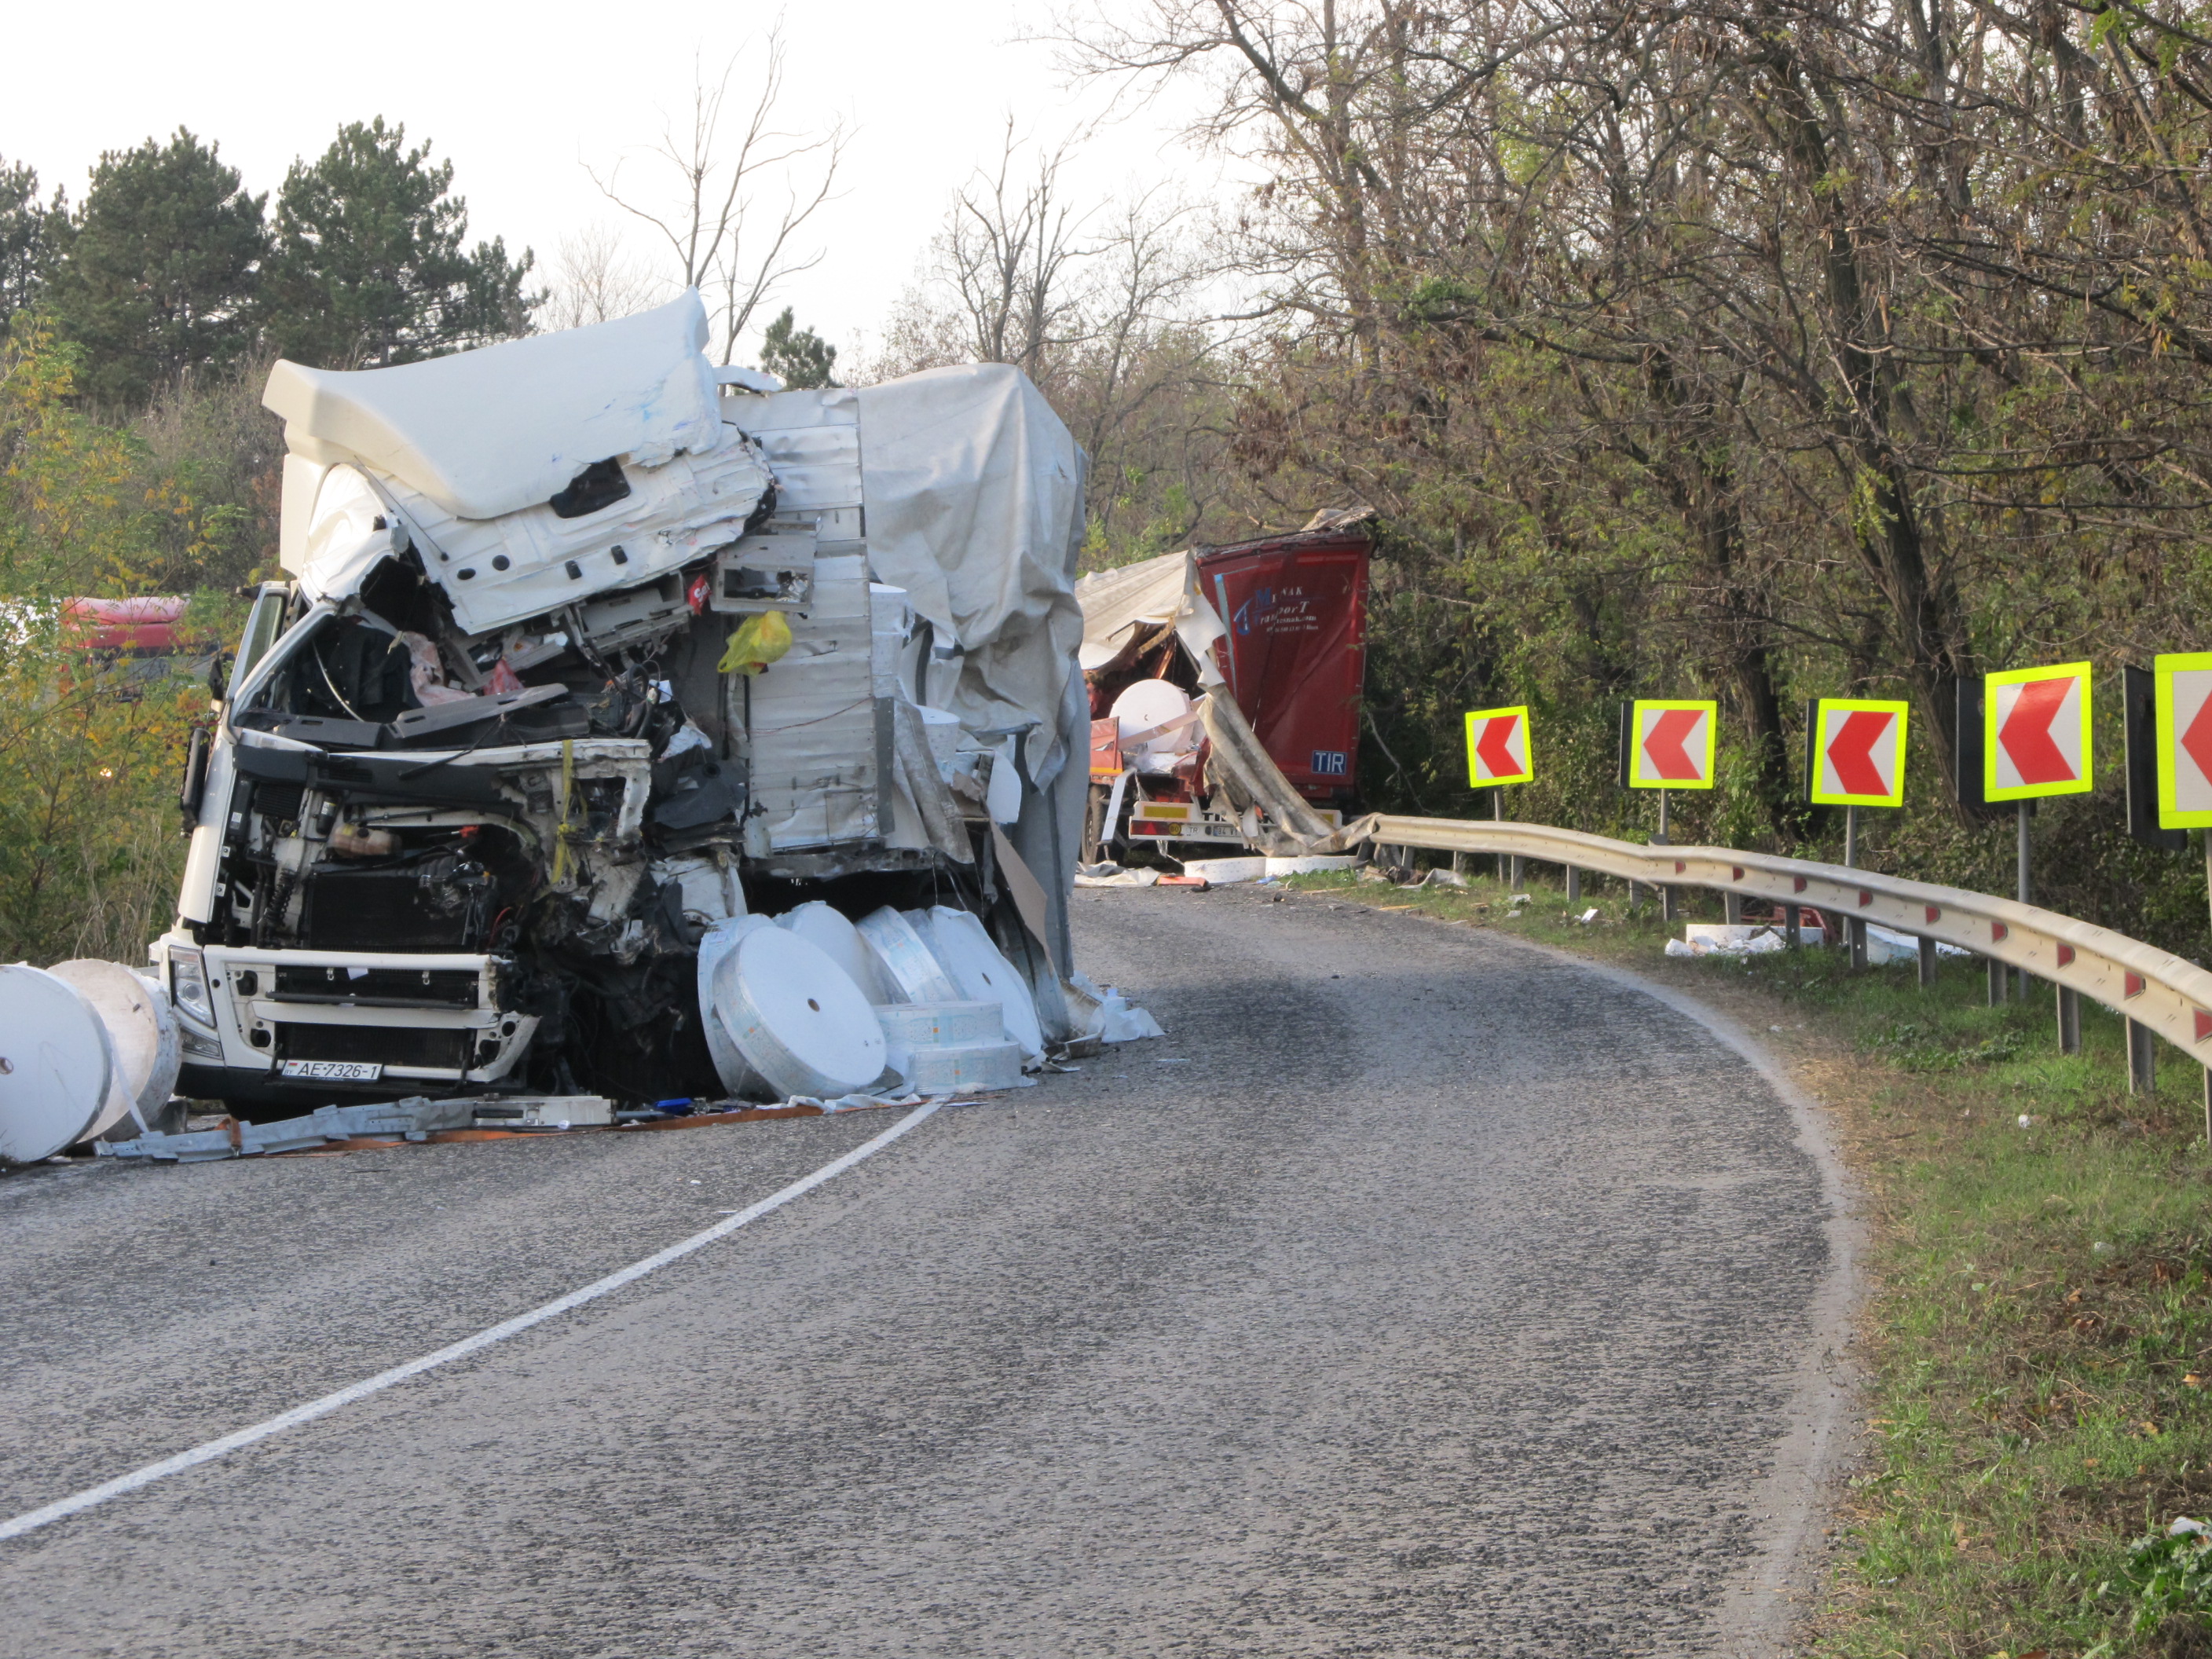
(502,748)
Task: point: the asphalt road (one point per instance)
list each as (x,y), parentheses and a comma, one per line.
(1422,1293)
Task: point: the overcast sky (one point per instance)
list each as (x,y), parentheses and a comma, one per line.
(521,98)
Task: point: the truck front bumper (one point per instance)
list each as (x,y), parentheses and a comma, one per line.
(280,1027)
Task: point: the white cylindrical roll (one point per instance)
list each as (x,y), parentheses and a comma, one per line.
(720,941)
(57,1065)
(821,924)
(911,1027)
(958,1070)
(142,1029)
(1140,711)
(958,940)
(801,1023)
(905,958)
(941,1024)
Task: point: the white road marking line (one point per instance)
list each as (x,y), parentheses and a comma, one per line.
(33,1519)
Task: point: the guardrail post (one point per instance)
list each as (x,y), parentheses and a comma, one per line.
(1999,975)
(2140,1058)
(1926,962)
(2207,1105)
(2070,1020)
(2020,819)
(1459,864)
(1574,885)
(1855,933)
(1732,908)
(1791,936)
(1520,864)
(1667,910)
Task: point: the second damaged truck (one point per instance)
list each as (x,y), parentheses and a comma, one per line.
(592,651)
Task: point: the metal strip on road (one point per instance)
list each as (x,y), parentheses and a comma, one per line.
(122,1484)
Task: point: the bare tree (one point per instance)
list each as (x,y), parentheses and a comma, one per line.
(1097,300)
(595,282)
(1012,254)
(744,189)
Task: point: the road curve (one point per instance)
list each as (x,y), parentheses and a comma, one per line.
(1424,1293)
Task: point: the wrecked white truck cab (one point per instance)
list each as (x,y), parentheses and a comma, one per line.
(502,750)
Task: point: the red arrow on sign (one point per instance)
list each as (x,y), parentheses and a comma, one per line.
(1662,744)
(2025,733)
(1493,748)
(2197,739)
(1850,751)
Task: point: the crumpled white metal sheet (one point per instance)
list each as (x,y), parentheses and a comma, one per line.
(488,432)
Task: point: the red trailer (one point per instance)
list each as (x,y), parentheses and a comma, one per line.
(147,627)
(136,643)
(1295,655)
(1267,636)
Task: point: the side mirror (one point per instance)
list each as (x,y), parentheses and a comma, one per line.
(195,780)
(218,677)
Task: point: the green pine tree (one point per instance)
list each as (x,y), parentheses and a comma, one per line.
(156,274)
(799,356)
(369,269)
(24,235)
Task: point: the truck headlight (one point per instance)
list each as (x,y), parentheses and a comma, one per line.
(188,984)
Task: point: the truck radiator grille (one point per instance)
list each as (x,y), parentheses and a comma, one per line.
(375,988)
(393,1045)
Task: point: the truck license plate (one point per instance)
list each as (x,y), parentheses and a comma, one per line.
(335,1071)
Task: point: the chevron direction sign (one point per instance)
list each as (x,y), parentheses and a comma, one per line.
(2035,732)
(1858,752)
(1497,747)
(2183,700)
(1670,745)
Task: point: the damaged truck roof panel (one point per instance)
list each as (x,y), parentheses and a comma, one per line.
(486,433)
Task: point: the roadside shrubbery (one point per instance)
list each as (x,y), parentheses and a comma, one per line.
(91,743)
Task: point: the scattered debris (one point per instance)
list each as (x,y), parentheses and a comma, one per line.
(1887,945)
(1726,939)
(1113,875)
(416,1119)
(1223,873)
(1106,1015)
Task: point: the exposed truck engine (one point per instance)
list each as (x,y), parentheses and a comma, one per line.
(588,650)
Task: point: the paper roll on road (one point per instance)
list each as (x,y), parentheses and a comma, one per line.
(57,1065)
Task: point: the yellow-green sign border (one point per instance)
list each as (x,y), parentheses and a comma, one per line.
(1527,746)
(2163,669)
(2081,785)
(1854,706)
(1710,770)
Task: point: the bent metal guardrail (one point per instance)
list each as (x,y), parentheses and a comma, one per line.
(2160,992)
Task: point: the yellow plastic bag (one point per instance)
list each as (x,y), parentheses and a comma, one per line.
(758,641)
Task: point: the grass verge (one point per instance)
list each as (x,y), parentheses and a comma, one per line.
(2039,1327)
